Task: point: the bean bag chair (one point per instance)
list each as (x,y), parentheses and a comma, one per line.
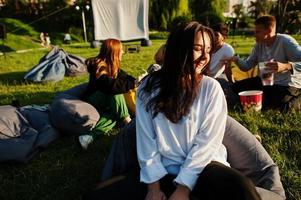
(70,115)
(245,154)
(248,156)
(24,132)
(55,65)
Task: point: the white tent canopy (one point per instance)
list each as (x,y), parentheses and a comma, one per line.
(120,19)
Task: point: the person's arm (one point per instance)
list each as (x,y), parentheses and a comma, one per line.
(122,84)
(293,53)
(244,64)
(208,139)
(228,71)
(248,63)
(275,66)
(151,167)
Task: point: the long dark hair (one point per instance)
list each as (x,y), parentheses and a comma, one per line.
(175,86)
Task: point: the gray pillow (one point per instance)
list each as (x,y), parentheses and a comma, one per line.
(71,115)
(38,117)
(19,140)
(12,122)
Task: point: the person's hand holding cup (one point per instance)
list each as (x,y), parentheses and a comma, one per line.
(266,74)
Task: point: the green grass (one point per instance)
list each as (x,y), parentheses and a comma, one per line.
(23,36)
(65,171)
(19,36)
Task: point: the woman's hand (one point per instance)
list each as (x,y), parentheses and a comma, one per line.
(155,195)
(181,193)
(154,192)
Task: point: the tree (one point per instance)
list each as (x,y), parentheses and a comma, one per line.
(238,10)
(26,9)
(163,13)
(260,7)
(208,11)
(288,15)
(241,17)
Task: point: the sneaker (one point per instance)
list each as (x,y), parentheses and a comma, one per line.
(85,140)
(127,120)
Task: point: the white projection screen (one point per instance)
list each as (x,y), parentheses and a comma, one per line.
(120,19)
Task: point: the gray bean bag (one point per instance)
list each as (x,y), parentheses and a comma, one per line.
(70,115)
(249,157)
(12,123)
(55,65)
(24,132)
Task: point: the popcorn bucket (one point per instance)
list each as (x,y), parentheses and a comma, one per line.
(251,100)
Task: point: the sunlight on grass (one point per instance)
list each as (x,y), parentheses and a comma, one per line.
(64,171)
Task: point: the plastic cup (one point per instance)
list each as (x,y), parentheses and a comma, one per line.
(267,77)
(251,100)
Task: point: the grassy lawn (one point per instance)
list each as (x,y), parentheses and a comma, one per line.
(65,171)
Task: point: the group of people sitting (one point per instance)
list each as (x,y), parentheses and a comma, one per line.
(281,55)
(181,110)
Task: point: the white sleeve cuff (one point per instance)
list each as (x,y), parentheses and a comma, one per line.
(187,178)
(152,173)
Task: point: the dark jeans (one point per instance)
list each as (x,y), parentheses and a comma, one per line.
(216,182)
(284,98)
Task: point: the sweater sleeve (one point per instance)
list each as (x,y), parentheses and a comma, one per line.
(249,62)
(208,140)
(149,157)
(122,84)
(293,53)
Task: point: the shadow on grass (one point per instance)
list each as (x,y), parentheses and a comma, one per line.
(76,46)
(13,78)
(63,163)
(16,78)
(5,49)
(15,26)
(24,98)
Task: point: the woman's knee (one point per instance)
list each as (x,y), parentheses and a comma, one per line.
(119,106)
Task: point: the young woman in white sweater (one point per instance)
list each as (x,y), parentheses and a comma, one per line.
(180,123)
